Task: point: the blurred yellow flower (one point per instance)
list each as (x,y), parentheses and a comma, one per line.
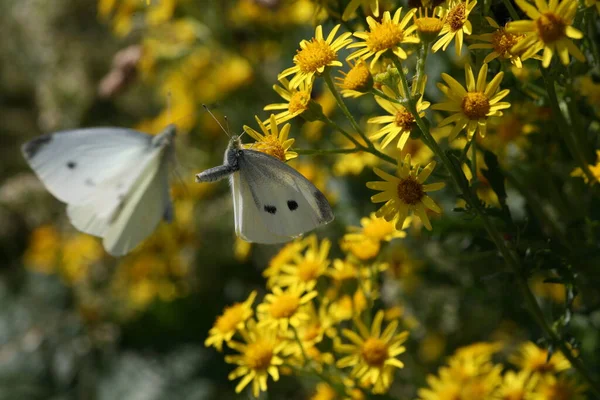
(343,271)
(348,306)
(357,81)
(592,3)
(365,242)
(501,43)
(517,386)
(79,252)
(273,142)
(354,163)
(315,55)
(401,121)
(578,172)
(456,25)
(305,269)
(372,353)
(297,100)
(367,5)
(559,388)
(259,358)
(532,358)
(386,35)
(232,320)
(285,308)
(43,250)
(405,193)
(473,106)
(285,255)
(549,29)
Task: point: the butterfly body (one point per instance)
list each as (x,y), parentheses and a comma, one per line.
(272,202)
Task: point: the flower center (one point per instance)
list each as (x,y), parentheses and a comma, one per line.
(284,306)
(384,36)
(550,27)
(308,270)
(516,394)
(231,318)
(429,25)
(358,78)
(410,191)
(259,354)
(315,55)
(456,17)
(270,145)
(504,41)
(475,105)
(299,102)
(374,351)
(404,120)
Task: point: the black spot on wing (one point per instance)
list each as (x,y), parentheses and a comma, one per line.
(325,213)
(32,147)
(270,209)
(71,164)
(292,205)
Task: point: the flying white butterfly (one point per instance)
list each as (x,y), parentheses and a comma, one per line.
(115,181)
(272,202)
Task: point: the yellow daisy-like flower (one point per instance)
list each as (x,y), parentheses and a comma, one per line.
(517,386)
(549,29)
(501,43)
(349,306)
(365,243)
(578,172)
(306,268)
(373,353)
(429,27)
(357,81)
(535,359)
(297,100)
(405,193)
(343,271)
(259,358)
(386,35)
(457,25)
(401,121)
(315,55)
(231,321)
(367,5)
(559,388)
(285,255)
(283,308)
(471,107)
(274,142)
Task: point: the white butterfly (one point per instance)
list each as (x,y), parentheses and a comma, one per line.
(114,181)
(272,202)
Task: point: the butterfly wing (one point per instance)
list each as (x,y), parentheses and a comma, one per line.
(276,202)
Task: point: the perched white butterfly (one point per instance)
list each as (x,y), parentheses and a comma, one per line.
(272,202)
(115,181)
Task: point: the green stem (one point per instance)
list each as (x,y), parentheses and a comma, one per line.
(463,155)
(341,130)
(379,93)
(511,10)
(510,258)
(564,129)
(474,156)
(421,65)
(322,152)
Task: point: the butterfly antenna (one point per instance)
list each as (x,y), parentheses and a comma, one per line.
(216,120)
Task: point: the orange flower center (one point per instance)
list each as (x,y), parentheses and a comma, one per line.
(374,351)
(259,354)
(315,55)
(456,17)
(475,105)
(410,191)
(384,36)
(504,41)
(404,120)
(231,317)
(358,78)
(272,146)
(429,25)
(284,306)
(550,27)
(308,270)
(299,102)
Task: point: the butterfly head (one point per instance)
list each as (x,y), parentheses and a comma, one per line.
(235,142)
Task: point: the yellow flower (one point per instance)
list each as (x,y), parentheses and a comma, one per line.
(501,43)
(549,29)
(43,250)
(357,81)
(231,321)
(428,28)
(324,392)
(559,388)
(284,308)
(343,271)
(386,35)
(354,163)
(532,358)
(517,386)
(79,252)
(590,89)
(405,193)
(578,172)
(457,25)
(373,353)
(401,121)
(370,5)
(348,306)
(297,100)
(306,268)
(285,255)
(274,142)
(259,358)
(315,55)
(365,243)
(471,107)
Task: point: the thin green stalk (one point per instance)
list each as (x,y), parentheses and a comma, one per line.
(420,74)
(510,258)
(323,152)
(341,130)
(379,93)
(474,157)
(511,10)
(565,129)
(463,155)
